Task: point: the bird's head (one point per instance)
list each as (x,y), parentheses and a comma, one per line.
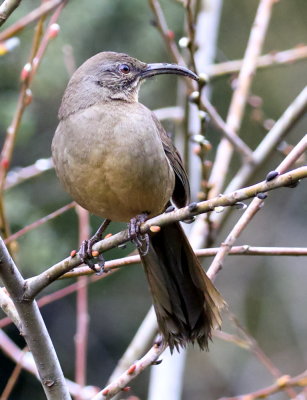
(112,76)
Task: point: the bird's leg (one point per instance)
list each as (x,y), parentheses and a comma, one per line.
(141,240)
(85,251)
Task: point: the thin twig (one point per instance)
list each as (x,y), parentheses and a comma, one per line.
(25,96)
(165,31)
(240,95)
(27,363)
(19,175)
(253,346)
(287,120)
(296,109)
(35,284)
(39,222)
(244,250)
(252,209)
(33,16)
(140,343)
(217,120)
(286,57)
(283,382)
(13,378)
(132,372)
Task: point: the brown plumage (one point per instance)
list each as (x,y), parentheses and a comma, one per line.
(115,159)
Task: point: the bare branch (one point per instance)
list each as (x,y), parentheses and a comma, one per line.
(253,208)
(217,120)
(39,222)
(287,120)
(33,330)
(18,175)
(240,95)
(6,9)
(36,284)
(283,382)
(140,343)
(27,363)
(33,16)
(286,57)
(132,372)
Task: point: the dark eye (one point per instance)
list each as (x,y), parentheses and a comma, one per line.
(124,68)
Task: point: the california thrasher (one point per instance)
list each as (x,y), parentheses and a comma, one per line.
(115,159)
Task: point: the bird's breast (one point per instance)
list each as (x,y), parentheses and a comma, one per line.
(112,162)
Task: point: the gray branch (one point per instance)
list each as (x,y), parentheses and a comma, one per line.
(33,330)
(34,285)
(6,9)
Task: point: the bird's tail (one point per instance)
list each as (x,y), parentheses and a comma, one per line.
(187,304)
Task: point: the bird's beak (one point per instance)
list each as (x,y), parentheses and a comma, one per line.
(164,68)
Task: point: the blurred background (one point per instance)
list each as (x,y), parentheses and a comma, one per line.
(267,294)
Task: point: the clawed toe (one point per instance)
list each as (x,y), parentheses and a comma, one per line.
(90,258)
(141,240)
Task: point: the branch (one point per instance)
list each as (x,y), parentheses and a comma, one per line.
(253,208)
(132,372)
(6,9)
(39,222)
(34,15)
(240,95)
(18,175)
(33,330)
(27,363)
(243,250)
(268,60)
(140,343)
(204,103)
(35,284)
(39,45)
(283,382)
(9,308)
(286,121)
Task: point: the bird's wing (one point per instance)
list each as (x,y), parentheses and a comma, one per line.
(181,194)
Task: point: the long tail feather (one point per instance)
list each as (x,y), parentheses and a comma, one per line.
(187,304)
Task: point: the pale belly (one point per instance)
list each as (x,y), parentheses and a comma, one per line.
(113,169)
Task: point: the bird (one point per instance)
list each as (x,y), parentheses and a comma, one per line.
(115,159)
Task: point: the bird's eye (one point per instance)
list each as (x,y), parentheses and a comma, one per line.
(124,68)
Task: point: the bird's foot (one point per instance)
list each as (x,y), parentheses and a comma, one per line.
(141,240)
(94,259)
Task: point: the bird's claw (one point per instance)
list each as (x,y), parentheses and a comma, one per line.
(93,261)
(141,240)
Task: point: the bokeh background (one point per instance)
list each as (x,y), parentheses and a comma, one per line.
(267,294)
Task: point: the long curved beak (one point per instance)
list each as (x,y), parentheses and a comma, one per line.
(164,68)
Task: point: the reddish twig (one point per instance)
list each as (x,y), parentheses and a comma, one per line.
(33,16)
(14,377)
(25,97)
(283,382)
(132,372)
(39,222)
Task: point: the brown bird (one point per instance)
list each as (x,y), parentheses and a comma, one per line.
(115,159)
